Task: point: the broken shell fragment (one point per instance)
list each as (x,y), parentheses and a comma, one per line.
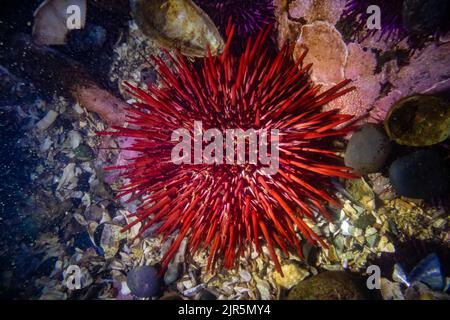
(47,120)
(178,24)
(419,121)
(110,239)
(73,139)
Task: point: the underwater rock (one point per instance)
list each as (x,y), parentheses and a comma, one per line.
(84,153)
(50,21)
(293,274)
(316,10)
(144,281)
(420,175)
(68,177)
(391,290)
(178,24)
(367,149)
(329,285)
(425,17)
(419,291)
(419,121)
(361,63)
(288,29)
(429,271)
(360,68)
(428,71)
(329,63)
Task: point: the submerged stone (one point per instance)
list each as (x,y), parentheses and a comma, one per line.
(367,149)
(84,153)
(420,175)
(144,281)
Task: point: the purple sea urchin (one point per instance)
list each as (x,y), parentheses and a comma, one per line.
(249,16)
(355,16)
(418,20)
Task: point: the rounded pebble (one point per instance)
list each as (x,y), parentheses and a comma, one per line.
(420,175)
(84,153)
(144,281)
(367,149)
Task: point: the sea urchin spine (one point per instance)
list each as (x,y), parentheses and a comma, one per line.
(231,208)
(249,16)
(356,16)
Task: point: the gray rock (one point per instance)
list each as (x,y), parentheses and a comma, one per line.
(367,149)
(84,153)
(420,175)
(144,282)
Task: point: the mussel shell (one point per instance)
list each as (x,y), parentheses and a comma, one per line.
(418,121)
(178,24)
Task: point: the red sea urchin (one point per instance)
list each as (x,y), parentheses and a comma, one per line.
(231,207)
